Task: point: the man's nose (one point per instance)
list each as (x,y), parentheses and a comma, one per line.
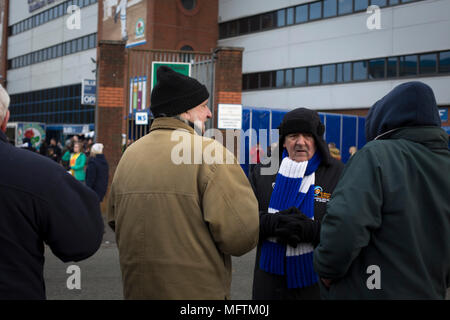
(301,140)
(209,114)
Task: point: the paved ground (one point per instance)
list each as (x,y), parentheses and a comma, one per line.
(101,278)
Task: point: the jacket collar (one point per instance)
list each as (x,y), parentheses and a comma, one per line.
(170,124)
(432,137)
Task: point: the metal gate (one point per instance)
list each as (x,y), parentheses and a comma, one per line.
(139,83)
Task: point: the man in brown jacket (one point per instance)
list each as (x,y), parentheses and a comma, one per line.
(177,224)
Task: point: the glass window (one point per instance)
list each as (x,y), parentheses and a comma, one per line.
(408,65)
(243,26)
(253,81)
(68,48)
(60,10)
(299,76)
(188,4)
(344,72)
(41,18)
(301,13)
(347,71)
(51,14)
(281,18)
(279,78)
(59,51)
(80,44)
(45,16)
(393,2)
(92,41)
(391,68)
(232,28)
(345,6)
(74,45)
(376,69)
(329,73)
(405,1)
(361,5)
(30,23)
(444,61)
(267,21)
(266,79)
(54,48)
(223,33)
(329,8)
(315,10)
(85,43)
(290,16)
(288,80)
(55,12)
(44,54)
(360,70)
(428,63)
(254,23)
(380,3)
(313,75)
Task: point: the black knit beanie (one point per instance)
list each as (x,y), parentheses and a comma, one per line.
(175,93)
(304,120)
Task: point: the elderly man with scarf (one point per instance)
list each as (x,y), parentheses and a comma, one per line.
(292,203)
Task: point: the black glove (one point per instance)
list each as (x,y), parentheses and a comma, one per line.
(269,222)
(300,229)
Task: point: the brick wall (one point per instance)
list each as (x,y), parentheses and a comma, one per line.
(4,5)
(228,82)
(172,27)
(110,101)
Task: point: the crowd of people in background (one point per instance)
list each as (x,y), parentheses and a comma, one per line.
(81,157)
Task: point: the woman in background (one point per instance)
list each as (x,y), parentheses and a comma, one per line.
(97,171)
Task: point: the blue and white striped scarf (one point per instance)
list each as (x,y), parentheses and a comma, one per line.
(294,187)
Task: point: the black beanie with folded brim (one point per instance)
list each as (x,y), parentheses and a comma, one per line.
(175,93)
(303,120)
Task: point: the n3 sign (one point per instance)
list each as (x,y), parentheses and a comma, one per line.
(89,100)
(141,118)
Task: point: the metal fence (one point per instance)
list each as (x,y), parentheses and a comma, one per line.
(140,76)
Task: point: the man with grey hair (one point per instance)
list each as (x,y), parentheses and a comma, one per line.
(177,224)
(40,203)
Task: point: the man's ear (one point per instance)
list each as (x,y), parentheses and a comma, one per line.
(186,115)
(5,122)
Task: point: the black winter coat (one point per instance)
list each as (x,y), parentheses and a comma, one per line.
(271,286)
(41,203)
(97,172)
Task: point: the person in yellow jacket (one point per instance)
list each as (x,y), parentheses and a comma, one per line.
(77,162)
(178,224)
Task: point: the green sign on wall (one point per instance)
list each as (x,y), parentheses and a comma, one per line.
(180,67)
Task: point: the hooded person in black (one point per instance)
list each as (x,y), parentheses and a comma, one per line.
(386,233)
(291,226)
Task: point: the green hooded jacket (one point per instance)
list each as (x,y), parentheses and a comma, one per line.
(386,233)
